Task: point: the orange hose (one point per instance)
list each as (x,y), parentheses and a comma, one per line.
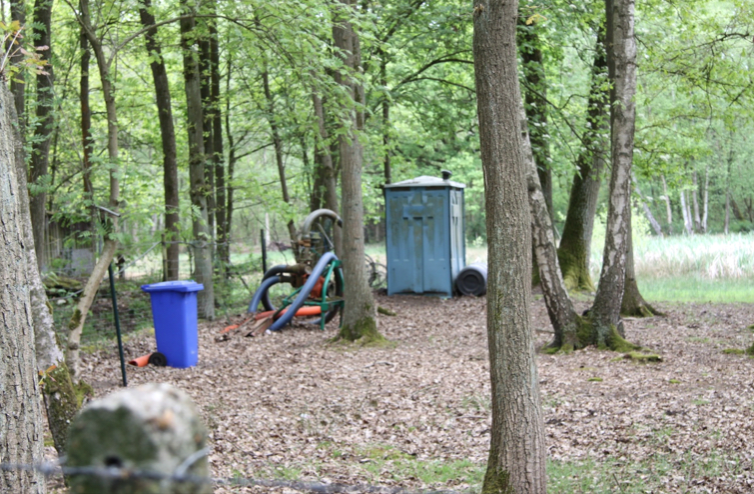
(308,310)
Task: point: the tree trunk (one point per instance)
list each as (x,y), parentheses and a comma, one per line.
(535,103)
(695,196)
(278,144)
(386,130)
(231,157)
(668,208)
(22,433)
(325,169)
(633,304)
(201,246)
(360,312)
(76,324)
(705,199)
(516,461)
(686,212)
(167,134)
(736,210)
(622,68)
(563,317)
(87,143)
(40,146)
(17,83)
(60,397)
(205,86)
(647,212)
(574,251)
(218,157)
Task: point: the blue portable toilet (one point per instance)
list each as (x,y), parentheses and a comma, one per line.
(425,235)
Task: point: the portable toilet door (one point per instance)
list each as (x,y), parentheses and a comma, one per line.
(425,235)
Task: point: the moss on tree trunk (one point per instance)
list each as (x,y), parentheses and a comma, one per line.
(363,331)
(497,482)
(63,400)
(574,266)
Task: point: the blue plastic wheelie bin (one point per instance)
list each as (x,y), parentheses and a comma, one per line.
(175,320)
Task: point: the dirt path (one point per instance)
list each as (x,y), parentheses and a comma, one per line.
(292,406)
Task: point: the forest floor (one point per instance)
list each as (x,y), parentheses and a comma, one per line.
(416,413)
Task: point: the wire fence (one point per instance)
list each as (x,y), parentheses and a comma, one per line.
(124,475)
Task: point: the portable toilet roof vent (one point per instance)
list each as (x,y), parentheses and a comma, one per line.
(425,235)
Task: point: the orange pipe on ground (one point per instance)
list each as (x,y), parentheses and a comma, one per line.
(142,361)
(309,310)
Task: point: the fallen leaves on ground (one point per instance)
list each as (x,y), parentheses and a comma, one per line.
(292,405)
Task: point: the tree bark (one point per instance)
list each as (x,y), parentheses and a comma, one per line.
(17,83)
(325,169)
(695,197)
(40,150)
(622,68)
(668,208)
(633,303)
(563,317)
(87,143)
(705,199)
(60,397)
(218,156)
(22,433)
(205,85)
(686,212)
(647,212)
(231,156)
(516,461)
(360,312)
(201,246)
(167,134)
(535,103)
(574,251)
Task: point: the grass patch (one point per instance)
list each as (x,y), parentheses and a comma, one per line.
(655,475)
(695,289)
(595,379)
(734,351)
(386,462)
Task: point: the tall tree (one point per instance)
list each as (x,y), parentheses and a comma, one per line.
(87,143)
(202,240)
(277,142)
(575,244)
(104,64)
(167,134)
(535,99)
(61,400)
(22,433)
(360,312)
(622,69)
(40,152)
(218,154)
(517,449)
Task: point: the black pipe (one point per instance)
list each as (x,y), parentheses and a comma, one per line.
(264,252)
(117,324)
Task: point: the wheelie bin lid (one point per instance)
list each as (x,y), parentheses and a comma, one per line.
(173,286)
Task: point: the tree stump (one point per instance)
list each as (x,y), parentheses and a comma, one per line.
(154,428)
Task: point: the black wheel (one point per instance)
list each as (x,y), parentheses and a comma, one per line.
(158,359)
